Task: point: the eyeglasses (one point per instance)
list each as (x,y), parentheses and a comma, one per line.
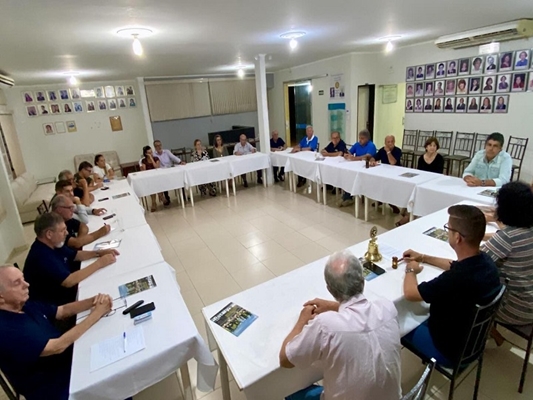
(110,313)
(447,228)
(72,207)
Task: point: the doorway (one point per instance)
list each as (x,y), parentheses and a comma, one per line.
(366,95)
(298,110)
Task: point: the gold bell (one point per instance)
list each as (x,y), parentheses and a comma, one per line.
(373,254)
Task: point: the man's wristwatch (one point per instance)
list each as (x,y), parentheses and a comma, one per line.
(407,270)
(483,182)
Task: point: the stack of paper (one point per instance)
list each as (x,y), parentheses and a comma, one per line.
(116,348)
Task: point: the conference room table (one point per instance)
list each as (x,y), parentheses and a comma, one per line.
(253,357)
(170,337)
(145,183)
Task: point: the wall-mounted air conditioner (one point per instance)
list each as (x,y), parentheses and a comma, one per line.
(6,80)
(513,30)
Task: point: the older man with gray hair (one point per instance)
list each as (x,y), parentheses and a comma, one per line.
(357,342)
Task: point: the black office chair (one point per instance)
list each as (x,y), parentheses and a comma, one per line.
(418,392)
(42,208)
(8,388)
(516,147)
(474,345)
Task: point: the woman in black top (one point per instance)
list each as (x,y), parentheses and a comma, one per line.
(430,161)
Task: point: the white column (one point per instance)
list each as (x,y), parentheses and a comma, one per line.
(262,109)
(146,112)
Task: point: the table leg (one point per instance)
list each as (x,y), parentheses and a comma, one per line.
(324,193)
(233,181)
(289,178)
(224,376)
(366,208)
(356,198)
(186,379)
(227,188)
(294,182)
(411,217)
(181,198)
(265,178)
(318,193)
(383,209)
(191,196)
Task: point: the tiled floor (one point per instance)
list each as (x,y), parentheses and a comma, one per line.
(225,245)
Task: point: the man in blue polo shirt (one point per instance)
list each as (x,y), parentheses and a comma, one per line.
(363,149)
(35,357)
(49,265)
(308,143)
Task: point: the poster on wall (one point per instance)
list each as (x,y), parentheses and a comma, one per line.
(389,94)
(337,118)
(336,89)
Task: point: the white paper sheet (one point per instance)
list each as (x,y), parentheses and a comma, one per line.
(389,251)
(112,350)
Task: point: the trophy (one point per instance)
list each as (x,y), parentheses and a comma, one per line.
(372,254)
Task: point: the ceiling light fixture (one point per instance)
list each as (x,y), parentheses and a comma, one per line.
(293,36)
(137,46)
(240,73)
(389,39)
(389,47)
(73,80)
(136,33)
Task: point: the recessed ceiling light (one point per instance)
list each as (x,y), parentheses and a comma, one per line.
(389,38)
(292,35)
(140,32)
(240,73)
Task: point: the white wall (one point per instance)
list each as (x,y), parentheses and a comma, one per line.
(45,156)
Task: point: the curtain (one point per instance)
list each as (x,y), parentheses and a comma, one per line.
(231,96)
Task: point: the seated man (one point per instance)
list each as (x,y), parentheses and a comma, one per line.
(363,149)
(102,169)
(308,143)
(81,212)
(85,172)
(80,189)
(77,232)
(34,355)
(48,266)
(388,154)
(277,144)
(242,148)
(336,147)
(491,166)
(355,342)
(166,160)
(472,279)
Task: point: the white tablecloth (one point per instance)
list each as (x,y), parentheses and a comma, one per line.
(339,173)
(158,180)
(171,340)
(444,192)
(384,183)
(304,164)
(248,163)
(201,172)
(281,158)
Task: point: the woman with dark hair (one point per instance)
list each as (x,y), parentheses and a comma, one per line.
(149,162)
(219,150)
(200,154)
(512,249)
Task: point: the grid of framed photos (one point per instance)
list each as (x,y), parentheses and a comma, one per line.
(479,84)
(75,100)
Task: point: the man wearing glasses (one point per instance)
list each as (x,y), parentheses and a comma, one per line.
(85,172)
(472,279)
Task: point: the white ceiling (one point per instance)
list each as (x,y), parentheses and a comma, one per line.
(40,39)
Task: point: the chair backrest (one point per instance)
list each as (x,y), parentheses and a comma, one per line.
(445,141)
(463,144)
(479,144)
(418,391)
(516,147)
(7,387)
(42,208)
(421,139)
(78,159)
(482,322)
(409,140)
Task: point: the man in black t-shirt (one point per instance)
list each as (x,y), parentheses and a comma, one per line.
(277,144)
(472,279)
(388,154)
(336,147)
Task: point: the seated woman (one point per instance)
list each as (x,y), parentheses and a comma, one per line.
(200,154)
(102,169)
(511,248)
(430,161)
(149,162)
(219,150)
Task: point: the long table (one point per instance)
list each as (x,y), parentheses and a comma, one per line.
(253,356)
(171,336)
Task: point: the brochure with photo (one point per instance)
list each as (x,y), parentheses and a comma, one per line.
(138,286)
(437,233)
(118,196)
(109,244)
(489,193)
(409,175)
(234,319)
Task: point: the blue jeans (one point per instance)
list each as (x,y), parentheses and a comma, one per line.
(312,392)
(422,341)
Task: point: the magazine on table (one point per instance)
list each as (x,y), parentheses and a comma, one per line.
(108,244)
(137,286)
(118,196)
(489,193)
(437,233)
(409,175)
(234,319)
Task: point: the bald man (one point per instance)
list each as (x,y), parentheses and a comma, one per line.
(388,154)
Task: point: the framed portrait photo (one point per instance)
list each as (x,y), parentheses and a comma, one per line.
(462,86)
(473,105)
(429,89)
(409,105)
(112,104)
(428,104)
(27,97)
(477,65)
(71,126)
(75,94)
(52,95)
(501,104)
(449,105)
(438,88)
(420,74)
(43,109)
(430,71)
(451,68)
(475,85)
(60,127)
(503,83)
(489,84)
(89,104)
(491,64)
(109,91)
(64,94)
(87,93)
(48,129)
(521,59)
(418,105)
(132,103)
(31,111)
(419,89)
(530,84)
(39,96)
(460,104)
(122,102)
(130,91)
(99,92)
(102,105)
(55,108)
(67,108)
(440,70)
(409,90)
(506,62)
(119,91)
(519,82)
(486,104)
(438,105)
(450,87)
(464,66)
(78,106)
(410,74)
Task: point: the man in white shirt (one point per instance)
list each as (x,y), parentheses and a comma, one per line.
(166,160)
(355,342)
(242,148)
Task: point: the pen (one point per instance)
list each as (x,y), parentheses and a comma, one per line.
(125,341)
